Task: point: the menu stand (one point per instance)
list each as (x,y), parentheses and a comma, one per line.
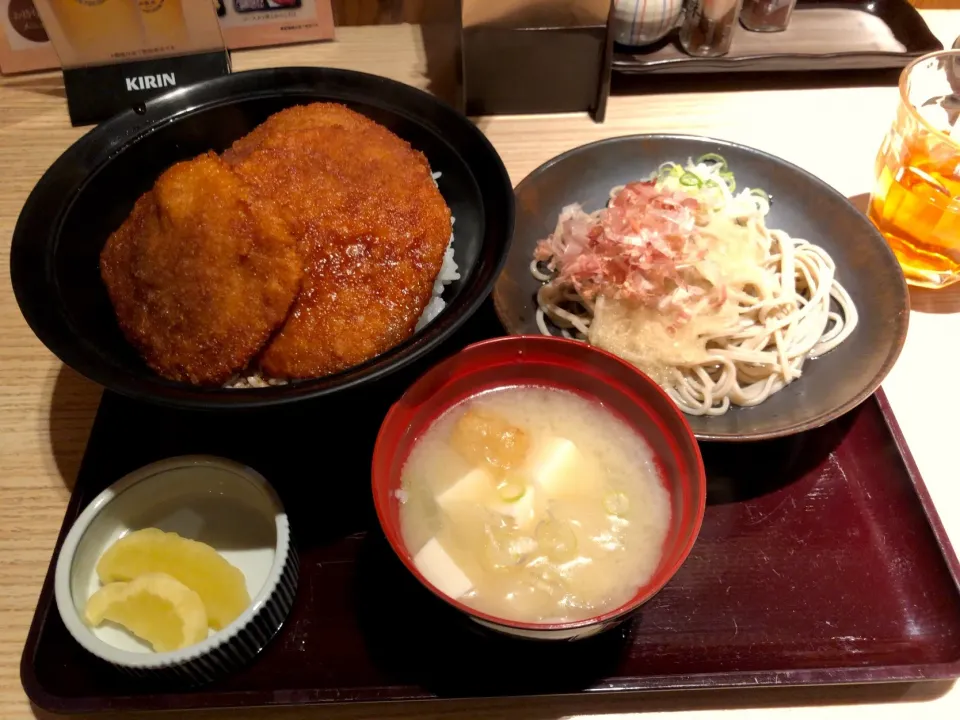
(118,55)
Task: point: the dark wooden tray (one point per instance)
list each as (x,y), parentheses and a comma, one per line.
(821,560)
(823,35)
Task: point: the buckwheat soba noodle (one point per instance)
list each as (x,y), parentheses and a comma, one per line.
(680,276)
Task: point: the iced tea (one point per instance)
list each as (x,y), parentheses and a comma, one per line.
(916,199)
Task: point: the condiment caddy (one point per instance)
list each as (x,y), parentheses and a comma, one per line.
(774,35)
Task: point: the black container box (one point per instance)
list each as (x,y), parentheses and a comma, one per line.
(521,57)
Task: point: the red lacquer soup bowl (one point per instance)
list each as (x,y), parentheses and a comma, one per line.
(566,365)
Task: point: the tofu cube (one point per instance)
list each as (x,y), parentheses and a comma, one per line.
(440,570)
(559,469)
(478,489)
(477,486)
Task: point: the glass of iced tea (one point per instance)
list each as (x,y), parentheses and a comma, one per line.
(916,199)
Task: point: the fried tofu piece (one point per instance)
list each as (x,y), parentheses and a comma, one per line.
(201,273)
(372,225)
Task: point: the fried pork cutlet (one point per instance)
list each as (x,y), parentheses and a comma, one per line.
(201,273)
(373,230)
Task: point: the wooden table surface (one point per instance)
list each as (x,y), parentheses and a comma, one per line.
(46,410)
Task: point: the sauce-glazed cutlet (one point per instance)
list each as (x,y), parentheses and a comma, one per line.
(372,225)
(201,273)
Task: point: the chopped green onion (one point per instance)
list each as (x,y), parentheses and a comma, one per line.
(714,158)
(668,170)
(710,172)
(511,491)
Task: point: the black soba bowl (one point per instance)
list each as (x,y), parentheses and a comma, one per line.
(802,205)
(88,192)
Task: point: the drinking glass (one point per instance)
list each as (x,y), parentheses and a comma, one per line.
(97,31)
(163,23)
(916,199)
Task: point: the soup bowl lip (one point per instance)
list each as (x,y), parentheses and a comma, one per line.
(153,473)
(696,479)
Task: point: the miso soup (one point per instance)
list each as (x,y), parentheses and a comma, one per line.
(534,505)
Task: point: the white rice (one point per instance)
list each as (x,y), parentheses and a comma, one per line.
(449,272)
(252,380)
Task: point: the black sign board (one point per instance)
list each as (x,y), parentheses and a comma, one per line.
(97,92)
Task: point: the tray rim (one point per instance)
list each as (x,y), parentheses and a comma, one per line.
(626,63)
(865,675)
